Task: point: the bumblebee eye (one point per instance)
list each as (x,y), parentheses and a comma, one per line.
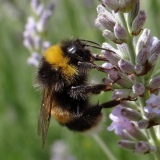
(72,49)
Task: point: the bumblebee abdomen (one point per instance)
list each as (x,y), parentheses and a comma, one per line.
(87,121)
(61,115)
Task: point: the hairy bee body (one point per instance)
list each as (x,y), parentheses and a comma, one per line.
(63,75)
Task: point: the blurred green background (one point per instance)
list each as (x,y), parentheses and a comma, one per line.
(19,101)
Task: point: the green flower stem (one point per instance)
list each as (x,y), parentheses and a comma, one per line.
(104,147)
(156,142)
(142,105)
(131,50)
(130,39)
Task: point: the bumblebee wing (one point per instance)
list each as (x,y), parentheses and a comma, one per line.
(44,115)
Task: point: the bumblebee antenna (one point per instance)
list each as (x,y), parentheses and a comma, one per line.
(98,45)
(90,42)
(100,48)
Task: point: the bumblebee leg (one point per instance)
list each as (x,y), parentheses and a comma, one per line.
(82,91)
(89,65)
(97,88)
(110,104)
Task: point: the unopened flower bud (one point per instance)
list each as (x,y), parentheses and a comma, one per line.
(142,124)
(138,23)
(122,94)
(143,55)
(109,35)
(154,83)
(111,57)
(106,21)
(113,74)
(155,52)
(98,24)
(153,59)
(120,32)
(143,147)
(138,69)
(114,5)
(131,114)
(153,42)
(101,9)
(137,133)
(126,66)
(143,40)
(138,89)
(127,144)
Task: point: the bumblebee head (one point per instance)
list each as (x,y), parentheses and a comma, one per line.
(77,51)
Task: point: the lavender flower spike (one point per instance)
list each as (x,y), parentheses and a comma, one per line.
(133,74)
(35,27)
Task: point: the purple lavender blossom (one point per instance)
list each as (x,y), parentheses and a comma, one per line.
(153,104)
(36,25)
(119,123)
(34,59)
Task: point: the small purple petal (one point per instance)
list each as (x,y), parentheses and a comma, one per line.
(119,123)
(34,59)
(153,104)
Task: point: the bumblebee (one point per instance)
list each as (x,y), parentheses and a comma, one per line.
(62,75)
